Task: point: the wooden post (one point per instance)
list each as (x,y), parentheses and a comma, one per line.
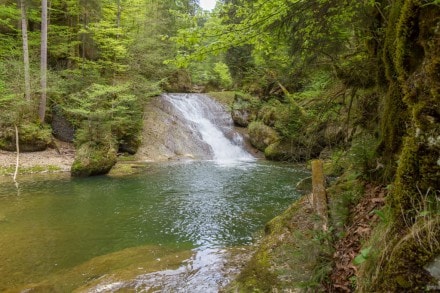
(319,195)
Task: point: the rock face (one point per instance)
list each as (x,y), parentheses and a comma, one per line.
(190,126)
(166,137)
(61,127)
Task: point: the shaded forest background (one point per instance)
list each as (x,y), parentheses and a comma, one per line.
(355,83)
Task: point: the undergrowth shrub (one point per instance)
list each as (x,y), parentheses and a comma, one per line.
(363,157)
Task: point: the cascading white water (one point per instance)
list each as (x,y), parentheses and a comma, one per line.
(209,119)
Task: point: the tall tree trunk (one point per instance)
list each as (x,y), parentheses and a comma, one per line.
(27,79)
(118,16)
(42,108)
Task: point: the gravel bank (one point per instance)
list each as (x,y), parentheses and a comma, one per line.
(50,159)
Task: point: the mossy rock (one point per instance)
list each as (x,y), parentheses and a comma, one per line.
(33,137)
(179,82)
(261,135)
(241,117)
(291,150)
(244,109)
(92,159)
(404,269)
(270,112)
(289,244)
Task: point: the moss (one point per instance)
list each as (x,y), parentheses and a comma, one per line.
(225,97)
(261,135)
(405,265)
(32,137)
(292,150)
(257,277)
(126,168)
(269,113)
(92,159)
(407,58)
(289,243)
(417,174)
(410,238)
(418,171)
(393,126)
(29,170)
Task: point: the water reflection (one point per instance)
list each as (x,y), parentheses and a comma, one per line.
(55,225)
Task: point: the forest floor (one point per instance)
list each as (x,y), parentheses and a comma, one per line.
(51,160)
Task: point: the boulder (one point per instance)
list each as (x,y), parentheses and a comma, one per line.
(32,138)
(241,117)
(93,159)
(244,110)
(261,135)
(291,150)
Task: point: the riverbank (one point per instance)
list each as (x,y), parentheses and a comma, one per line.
(57,159)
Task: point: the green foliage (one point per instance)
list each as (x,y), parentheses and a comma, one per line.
(362,155)
(212,74)
(362,256)
(32,136)
(344,194)
(107,114)
(223,75)
(292,119)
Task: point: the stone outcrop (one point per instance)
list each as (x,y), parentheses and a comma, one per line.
(166,137)
(61,126)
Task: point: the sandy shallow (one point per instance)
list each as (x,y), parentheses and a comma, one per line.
(62,158)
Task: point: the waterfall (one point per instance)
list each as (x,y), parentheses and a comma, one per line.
(208,119)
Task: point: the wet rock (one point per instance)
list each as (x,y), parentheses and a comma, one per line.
(129,145)
(334,134)
(166,135)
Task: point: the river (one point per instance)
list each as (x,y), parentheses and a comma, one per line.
(171,227)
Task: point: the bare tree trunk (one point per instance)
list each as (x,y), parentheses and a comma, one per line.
(42,108)
(17,146)
(27,79)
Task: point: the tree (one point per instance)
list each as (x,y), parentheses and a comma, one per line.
(27,78)
(44,22)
